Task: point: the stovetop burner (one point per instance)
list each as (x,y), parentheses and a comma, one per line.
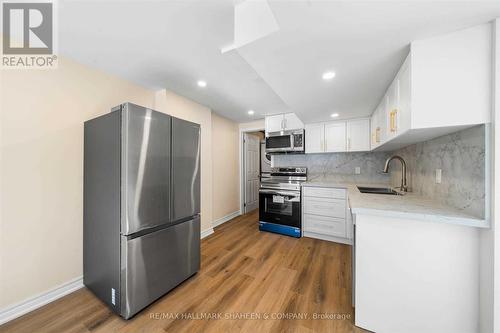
(285,178)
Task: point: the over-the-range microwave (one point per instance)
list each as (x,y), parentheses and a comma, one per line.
(285,142)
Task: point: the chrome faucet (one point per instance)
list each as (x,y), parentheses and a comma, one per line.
(404,186)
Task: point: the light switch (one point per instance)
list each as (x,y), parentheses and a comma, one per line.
(357,170)
(438,176)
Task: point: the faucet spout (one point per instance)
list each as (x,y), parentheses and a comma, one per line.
(404,186)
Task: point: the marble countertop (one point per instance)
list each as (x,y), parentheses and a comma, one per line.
(410,205)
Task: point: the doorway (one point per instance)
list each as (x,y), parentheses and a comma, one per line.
(251,169)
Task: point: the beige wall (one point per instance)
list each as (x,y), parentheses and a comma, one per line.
(225,189)
(183,108)
(42,115)
(41,168)
(258,124)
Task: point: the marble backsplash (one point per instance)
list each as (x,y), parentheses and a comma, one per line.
(460,155)
(339,166)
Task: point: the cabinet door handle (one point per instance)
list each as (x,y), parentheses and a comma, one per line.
(377,135)
(393,120)
(349,144)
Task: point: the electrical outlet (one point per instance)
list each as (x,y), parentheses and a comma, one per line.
(438,176)
(357,170)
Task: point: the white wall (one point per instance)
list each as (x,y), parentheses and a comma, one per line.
(496,184)
(489,306)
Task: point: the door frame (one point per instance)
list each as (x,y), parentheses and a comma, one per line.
(242,163)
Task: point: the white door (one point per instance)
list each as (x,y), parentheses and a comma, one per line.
(315,138)
(358,135)
(292,122)
(274,123)
(335,136)
(251,148)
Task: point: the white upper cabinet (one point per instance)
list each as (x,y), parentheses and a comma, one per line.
(315,138)
(338,136)
(274,123)
(392,106)
(403,117)
(373,129)
(443,85)
(335,137)
(283,122)
(451,78)
(292,122)
(358,135)
(379,124)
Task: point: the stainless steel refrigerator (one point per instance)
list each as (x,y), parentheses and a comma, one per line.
(141,206)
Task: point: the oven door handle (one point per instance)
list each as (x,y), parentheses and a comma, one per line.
(290,194)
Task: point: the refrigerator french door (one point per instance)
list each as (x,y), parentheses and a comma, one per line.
(145,169)
(135,248)
(185,169)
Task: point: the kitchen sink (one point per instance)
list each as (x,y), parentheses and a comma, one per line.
(378,190)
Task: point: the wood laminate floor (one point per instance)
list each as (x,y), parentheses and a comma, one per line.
(248,282)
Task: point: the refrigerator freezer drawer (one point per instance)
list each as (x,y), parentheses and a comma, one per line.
(155,263)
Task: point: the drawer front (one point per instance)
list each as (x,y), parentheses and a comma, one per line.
(325,225)
(325,207)
(325,192)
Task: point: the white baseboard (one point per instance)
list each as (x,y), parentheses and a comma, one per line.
(207,232)
(17,310)
(225,218)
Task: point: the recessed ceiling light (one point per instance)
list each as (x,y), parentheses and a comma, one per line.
(334,115)
(251,112)
(202,84)
(328,75)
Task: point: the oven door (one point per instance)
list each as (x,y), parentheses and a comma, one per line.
(280,207)
(279,143)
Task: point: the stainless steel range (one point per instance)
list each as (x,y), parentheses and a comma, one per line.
(280,201)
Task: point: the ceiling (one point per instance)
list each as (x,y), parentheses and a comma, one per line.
(173,44)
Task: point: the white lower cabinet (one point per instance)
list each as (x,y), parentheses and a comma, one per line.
(325,214)
(325,225)
(325,207)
